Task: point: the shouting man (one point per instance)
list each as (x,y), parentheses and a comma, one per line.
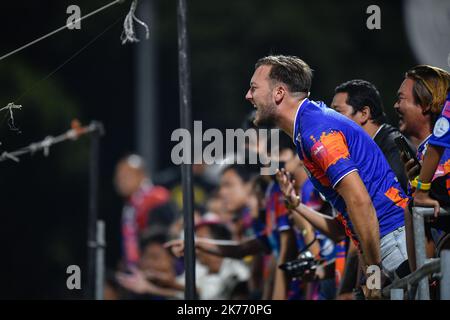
(343,162)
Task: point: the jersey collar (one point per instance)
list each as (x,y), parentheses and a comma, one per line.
(296,129)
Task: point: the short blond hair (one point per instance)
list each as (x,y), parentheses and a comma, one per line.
(290,70)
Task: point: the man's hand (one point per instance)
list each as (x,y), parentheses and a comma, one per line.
(430,163)
(372,294)
(176,247)
(346,296)
(412,170)
(165,279)
(135,282)
(423,199)
(287,187)
(375,294)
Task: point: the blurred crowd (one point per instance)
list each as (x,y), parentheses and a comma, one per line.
(251,243)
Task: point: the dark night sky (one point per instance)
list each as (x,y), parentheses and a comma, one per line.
(44,200)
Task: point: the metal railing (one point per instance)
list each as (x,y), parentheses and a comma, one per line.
(416,283)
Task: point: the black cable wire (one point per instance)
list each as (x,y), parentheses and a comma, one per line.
(73,56)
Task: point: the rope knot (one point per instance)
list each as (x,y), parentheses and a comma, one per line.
(10,106)
(129,34)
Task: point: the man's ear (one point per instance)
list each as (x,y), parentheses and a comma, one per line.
(279,93)
(365,115)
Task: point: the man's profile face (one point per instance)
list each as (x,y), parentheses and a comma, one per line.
(127,179)
(411,117)
(260,95)
(339,104)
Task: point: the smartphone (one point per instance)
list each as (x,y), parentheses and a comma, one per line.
(404,147)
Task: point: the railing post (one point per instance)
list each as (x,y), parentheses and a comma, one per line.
(445,275)
(397,294)
(419,242)
(100,261)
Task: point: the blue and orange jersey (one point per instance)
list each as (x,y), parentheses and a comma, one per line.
(328,254)
(331,147)
(441,130)
(443,168)
(312,199)
(245,216)
(310,196)
(296,290)
(441,138)
(341,255)
(327,246)
(276,218)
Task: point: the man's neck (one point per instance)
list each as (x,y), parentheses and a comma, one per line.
(371,128)
(286,119)
(421,135)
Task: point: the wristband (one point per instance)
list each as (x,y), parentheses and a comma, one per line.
(419,185)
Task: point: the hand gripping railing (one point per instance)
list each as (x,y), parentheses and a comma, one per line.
(417,282)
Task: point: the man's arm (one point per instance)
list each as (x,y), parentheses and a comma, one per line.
(430,163)
(238,251)
(362,215)
(325,224)
(137,283)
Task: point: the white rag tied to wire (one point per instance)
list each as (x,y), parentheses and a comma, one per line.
(129,34)
(10,108)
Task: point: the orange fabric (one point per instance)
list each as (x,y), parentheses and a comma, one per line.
(447,172)
(340,261)
(394,194)
(317,172)
(329,149)
(347,229)
(447,167)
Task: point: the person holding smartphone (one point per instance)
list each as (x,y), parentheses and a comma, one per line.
(438,144)
(424,114)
